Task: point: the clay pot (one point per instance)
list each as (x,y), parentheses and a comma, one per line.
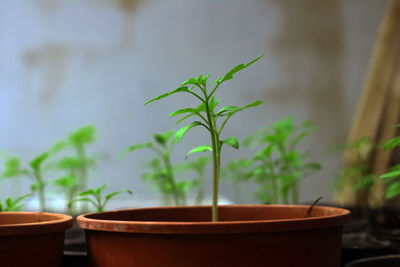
(382,261)
(32,239)
(246,235)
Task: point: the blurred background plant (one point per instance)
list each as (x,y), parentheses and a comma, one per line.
(392,178)
(238,173)
(162,173)
(278,164)
(358,175)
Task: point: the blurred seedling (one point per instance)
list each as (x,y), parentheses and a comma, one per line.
(13,205)
(94,197)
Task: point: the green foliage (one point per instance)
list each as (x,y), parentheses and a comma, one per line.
(13,205)
(278,164)
(36,170)
(94,197)
(358,174)
(208,117)
(237,172)
(161,172)
(393,176)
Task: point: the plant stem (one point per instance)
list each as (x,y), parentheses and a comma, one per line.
(40,188)
(215,151)
(168,166)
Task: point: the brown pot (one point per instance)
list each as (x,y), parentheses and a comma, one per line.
(246,235)
(32,238)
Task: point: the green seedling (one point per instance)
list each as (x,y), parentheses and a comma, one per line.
(13,205)
(94,197)
(358,174)
(237,173)
(76,167)
(279,165)
(392,177)
(198,166)
(35,172)
(161,172)
(207,117)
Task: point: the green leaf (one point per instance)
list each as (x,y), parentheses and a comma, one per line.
(199,149)
(228,109)
(86,193)
(390,174)
(364,183)
(163,138)
(68,181)
(232,142)
(83,135)
(100,189)
(9,202)
(181,132)
(135,147)
(183,111)
(184,118)
(238,68)
(109,196)
(177,90)
(394,142)
(393,190)
(192,81)
(38,161)
(12,167)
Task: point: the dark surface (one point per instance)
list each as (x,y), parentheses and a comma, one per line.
(75,248)
(383,261)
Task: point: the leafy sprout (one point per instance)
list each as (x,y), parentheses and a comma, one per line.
(161,171)
(392,177)
(94,197)
(207,117)
(35,172)
(13,205)
(279,165)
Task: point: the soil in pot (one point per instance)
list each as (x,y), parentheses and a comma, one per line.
(246,235)
(32,239)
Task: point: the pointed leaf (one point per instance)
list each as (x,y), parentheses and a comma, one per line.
(199,149)
(135,147)
(232,142)
(177,90)
(394,142)
(390,174)
(183,111)
(181,132)
(238,68)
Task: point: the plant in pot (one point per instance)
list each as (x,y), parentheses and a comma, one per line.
(243,235)
(30,238)
(279,165)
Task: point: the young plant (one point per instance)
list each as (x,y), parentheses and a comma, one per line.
(207,117)
(94,197)
(76,167)
(237,173)
(35,172)
(392,177)
(198,166)
(278,164)
(359,174)
(161,171)
(13,205)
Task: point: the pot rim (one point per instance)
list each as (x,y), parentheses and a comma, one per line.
(54,222)
(336,217)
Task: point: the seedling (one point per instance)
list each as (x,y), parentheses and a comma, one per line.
(392,177)
(35,173)
(198,166)
(207,118)
(237,172)
(162,172)
(13,205)
(279,165)
(77,166)
(358,174)
(94,197)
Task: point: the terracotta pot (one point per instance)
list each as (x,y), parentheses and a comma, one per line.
(247,235)
(382,261)
(32,239)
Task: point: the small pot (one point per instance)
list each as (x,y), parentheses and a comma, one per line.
(32,238)
(382,261)
(246,235)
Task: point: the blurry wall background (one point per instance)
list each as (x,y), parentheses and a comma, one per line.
(68,63)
